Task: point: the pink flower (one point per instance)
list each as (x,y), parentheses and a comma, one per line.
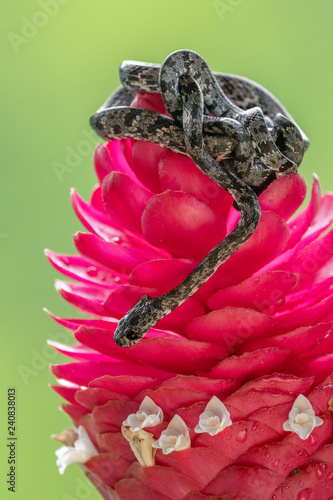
(214,389)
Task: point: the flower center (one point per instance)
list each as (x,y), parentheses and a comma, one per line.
(172,440)
(301,418)
(213,421)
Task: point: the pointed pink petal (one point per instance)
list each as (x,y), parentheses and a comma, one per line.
(119,161)
(302,221)
(102,341)
(120,258)
(256,252)
(306,317)
(278,457)
(284,195)
(96,199)
(128,385)
(324,215)
(131,488)
(124,297)
(252,400)
(102,162)
(287,384)
(311,259)
(236,439)
(68,393)
(105,491)
(110,441)
(165,480)
(200,464)
(170,399)
(177,222)
(124,200)
(75,412)
(264,293)
(84,372)
(322,394)
(146,157)
(108,467)
(110,417)
(180,173)
(249,365)
(208,385)
(299,340)
(184,356)
(319,367)
(96,221)
(79,300)
(255,482)
(161,274)
(78,352)
(74,323)
(91,397)
(274,416)
(230,326)
(80,269)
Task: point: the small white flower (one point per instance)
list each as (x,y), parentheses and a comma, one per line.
(302,418)
(214,419)
(175,437)
(148,415)
(82,451)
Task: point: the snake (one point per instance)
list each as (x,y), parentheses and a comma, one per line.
(236,132)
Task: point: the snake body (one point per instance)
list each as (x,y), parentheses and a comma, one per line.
(235,131)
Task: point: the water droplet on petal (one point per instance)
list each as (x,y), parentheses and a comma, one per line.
(312,440)
(255,426)
(116,239)
(92,271)
(300,453)
(330,476)
(304,494)
(287,486)
(267,454)
(289,465)
(274,497)
(275,463)
(117,279)
(321,471)
(242,436)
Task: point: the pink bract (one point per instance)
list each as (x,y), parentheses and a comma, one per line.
(256,335)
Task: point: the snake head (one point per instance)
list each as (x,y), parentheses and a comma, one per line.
(135,324)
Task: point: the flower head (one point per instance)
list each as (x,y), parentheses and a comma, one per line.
(80,452)
(148,415)
(216,379)
(302,418)
(176,437)
(214,419)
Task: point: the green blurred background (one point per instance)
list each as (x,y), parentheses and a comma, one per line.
(59,62)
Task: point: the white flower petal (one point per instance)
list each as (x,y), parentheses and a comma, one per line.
(82,451)
(302,419)
(148,415)
(175,437)
(214,419)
